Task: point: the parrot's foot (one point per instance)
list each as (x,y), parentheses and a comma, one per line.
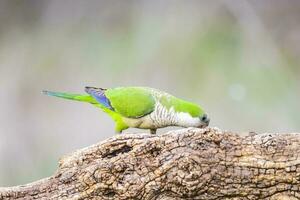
(153,131)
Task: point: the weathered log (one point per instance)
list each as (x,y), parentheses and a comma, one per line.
(185,164)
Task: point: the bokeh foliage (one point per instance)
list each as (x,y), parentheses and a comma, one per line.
(238,59)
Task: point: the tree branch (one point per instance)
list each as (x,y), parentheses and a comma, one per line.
(185,164)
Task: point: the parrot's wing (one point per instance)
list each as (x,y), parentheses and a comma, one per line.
(132,102)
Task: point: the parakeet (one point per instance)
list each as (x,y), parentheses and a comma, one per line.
(141,107)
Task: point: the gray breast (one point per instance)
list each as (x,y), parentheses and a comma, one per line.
(162,117)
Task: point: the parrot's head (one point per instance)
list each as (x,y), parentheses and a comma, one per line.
(185,119)
(187,114)
(193,116)
(199,116)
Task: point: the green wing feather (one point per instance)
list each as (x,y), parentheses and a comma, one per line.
(75,97)
(132,102)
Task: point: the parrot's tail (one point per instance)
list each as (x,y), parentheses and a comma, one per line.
(76,97)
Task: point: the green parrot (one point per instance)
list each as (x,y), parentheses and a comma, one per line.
(141,107)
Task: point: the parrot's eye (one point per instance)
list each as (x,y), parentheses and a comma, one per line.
(205,119)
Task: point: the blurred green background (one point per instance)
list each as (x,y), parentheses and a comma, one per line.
(238,59)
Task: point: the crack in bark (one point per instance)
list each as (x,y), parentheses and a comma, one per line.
(124,149)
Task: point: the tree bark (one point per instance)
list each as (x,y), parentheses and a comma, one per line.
(184,164)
